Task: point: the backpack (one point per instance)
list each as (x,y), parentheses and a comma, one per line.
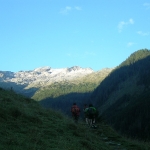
(75,110)
(91,111)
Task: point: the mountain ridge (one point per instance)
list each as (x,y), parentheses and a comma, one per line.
(44,74)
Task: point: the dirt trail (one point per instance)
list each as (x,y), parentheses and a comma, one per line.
(113,139)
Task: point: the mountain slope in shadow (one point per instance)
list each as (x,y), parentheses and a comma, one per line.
(124,96)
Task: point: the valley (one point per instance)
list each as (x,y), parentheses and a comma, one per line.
(120,94)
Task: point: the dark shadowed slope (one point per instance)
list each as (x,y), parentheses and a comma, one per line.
(25,125)
(124,95)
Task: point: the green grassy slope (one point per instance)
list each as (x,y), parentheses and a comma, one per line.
(24,125)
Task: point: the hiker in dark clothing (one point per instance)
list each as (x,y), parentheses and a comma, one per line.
(75,110)
(91,114)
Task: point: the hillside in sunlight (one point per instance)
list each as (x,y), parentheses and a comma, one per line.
(83,84)
(25,125)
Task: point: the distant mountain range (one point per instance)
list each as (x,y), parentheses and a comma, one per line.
(28,82)
(44,75)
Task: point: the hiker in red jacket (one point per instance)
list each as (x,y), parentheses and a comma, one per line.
(75,110)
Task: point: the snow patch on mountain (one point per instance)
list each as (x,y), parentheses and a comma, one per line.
(44,75)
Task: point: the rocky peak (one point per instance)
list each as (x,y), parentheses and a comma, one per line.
(42,69)
(77,68)
(74,68)
(44,75)
(6,74)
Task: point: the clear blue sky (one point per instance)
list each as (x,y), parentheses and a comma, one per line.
(66,33)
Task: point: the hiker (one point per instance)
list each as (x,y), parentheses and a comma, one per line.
(75,110)
(85,114)
(91,114)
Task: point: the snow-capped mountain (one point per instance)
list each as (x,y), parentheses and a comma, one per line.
(44,75)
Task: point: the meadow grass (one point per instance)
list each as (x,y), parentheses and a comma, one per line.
(24,124)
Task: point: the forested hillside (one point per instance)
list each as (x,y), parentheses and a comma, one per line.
(124,96)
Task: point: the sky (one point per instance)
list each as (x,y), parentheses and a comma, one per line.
(92,34)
